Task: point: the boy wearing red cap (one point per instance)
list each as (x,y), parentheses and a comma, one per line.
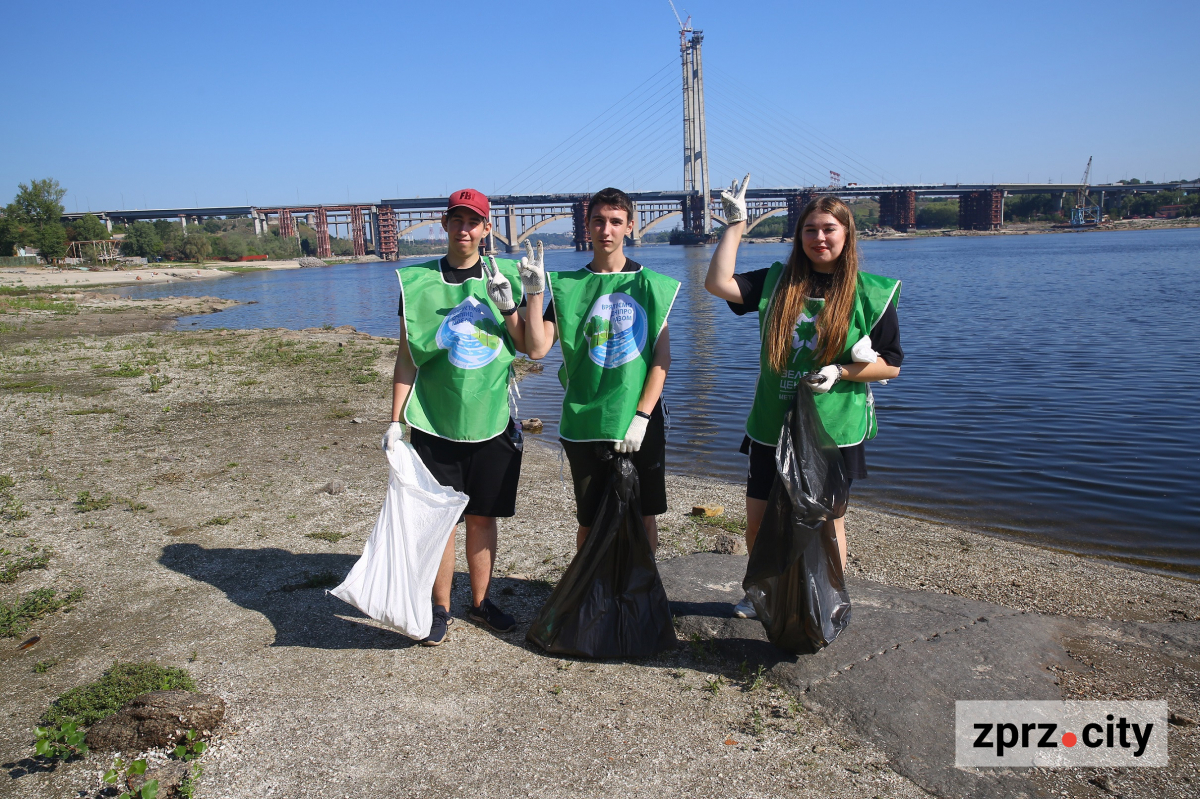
(459,332)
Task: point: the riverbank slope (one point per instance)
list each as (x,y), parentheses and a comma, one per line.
(201,488)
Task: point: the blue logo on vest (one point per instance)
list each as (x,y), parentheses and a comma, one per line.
(471,334)
(615,330)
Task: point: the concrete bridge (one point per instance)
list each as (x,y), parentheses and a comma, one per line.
(378,226)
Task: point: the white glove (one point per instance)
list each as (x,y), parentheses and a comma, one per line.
(392,436)
(498,287)
(734,201)
(533,269)
(633,436)
(821,381)
(862,352)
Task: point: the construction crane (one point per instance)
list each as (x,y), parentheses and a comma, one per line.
(1084,213)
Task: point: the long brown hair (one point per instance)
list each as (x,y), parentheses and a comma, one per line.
(795,284)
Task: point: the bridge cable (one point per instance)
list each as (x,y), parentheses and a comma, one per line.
(554,170)
(589,125)
(867,166)
(602,132)
(794,151)
(614,138)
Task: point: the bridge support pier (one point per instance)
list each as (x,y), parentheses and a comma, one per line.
(323,248)
(981,210)
(635,239)
(583,240)
(356,231)
(510,230)
(898,210)
(183,223)
(795,206)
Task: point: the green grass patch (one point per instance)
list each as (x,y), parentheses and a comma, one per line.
(127,370)
(16,617)
(90,703)
(218,521)
(339,413)
(364,377)
(16,564)
(10,303)
(28,387)
(328,535)
(7,481)
(89,411)
(86,503)
(726,523)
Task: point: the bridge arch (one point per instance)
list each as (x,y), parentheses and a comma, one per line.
(525,234)
(653,223)
(767,215)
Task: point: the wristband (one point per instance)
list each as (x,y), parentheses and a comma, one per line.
(643,415)
(509,312)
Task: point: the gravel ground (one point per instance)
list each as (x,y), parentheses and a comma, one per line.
(211,449)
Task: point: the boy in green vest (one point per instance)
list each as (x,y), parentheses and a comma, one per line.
(611,317)
(459,330)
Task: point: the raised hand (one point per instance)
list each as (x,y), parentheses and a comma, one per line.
(498,287)
(533,269)
(734,201)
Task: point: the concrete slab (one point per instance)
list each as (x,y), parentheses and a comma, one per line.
(896,671)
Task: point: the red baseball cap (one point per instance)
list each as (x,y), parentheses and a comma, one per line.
(477,201)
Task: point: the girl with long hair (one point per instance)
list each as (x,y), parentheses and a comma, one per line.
(817,313)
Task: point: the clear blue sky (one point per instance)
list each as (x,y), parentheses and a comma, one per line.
(169,104)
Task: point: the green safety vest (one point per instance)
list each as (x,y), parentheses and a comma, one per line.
(848,409)
(462,351)
(609,324)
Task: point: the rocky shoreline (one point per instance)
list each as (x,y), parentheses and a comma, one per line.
(239,472)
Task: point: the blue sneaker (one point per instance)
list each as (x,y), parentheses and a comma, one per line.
(437,631)
(487,613)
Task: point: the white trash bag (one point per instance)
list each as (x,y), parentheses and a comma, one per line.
(393,580)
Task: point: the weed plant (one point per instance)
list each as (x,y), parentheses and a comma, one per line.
(16,617)
(86,503)
(10,570)
(90,703)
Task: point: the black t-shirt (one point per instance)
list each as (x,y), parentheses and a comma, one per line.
(885,336)
(548,306)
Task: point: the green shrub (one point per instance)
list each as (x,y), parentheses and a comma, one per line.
(89,703)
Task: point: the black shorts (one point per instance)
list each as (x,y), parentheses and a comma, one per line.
(486,471)
(590,474)
(760,476)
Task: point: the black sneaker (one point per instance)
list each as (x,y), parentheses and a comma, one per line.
(437,631)
(487,613)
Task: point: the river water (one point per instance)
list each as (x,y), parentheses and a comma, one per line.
(1045,393)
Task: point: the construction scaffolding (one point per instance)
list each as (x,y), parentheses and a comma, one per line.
(981,210)
(387,245)
(898,210)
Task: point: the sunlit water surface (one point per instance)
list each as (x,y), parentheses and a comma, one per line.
(1045,393)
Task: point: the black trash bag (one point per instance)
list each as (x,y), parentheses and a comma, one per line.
(610,603)
(794,577)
